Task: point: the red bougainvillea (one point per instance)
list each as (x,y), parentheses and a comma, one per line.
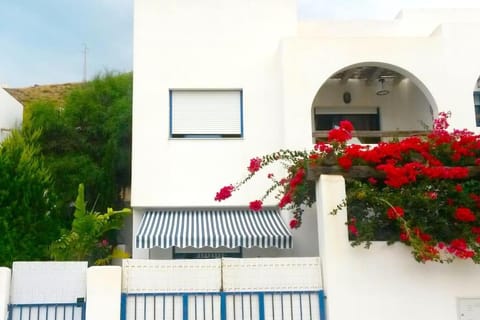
(224,193)
(424,191)
(256,205)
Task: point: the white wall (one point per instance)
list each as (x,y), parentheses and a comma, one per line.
(204,44)
(383,282)
(5,279)
(103,293)
(11,114)
(280,65)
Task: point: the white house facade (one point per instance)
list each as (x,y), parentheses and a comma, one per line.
(217,83)
(11,114)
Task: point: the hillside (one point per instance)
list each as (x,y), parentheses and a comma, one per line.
(55,92)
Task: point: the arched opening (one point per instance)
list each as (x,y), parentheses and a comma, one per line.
(381,100)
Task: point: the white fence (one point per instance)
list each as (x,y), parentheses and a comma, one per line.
(58,291)
(383,282)
(229,288)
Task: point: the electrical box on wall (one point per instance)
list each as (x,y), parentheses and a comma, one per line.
(468,308)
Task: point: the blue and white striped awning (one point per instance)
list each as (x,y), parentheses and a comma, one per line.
(213,228)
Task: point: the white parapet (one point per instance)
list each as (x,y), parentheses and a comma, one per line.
(103,293)
(149,276)
(48,281)
(272,274)
(385,282)
(5,278)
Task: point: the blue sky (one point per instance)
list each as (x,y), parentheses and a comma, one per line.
(42,41)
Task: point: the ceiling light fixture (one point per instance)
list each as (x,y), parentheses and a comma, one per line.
(382,88)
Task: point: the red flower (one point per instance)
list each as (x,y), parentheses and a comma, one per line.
(459,248)
(345,162)
(270,176)
(323,147)
(432,195)
(353,229)
(255,165)
(346,125)
(395,213)
(458,187)
(224,193)
(404,236)
(464,214)
(256,205)
(425,237)
(294,224)
(286,199)
(372,181)
(297,178)
(339,135)
(476,230)
(441,123)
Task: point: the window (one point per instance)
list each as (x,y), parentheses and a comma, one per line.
(476,99)
(206,113)
(206,253)
(361,118)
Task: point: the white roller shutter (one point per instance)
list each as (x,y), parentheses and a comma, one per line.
(206,112)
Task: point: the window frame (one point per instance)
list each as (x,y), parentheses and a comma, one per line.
(173,135)
(476,98)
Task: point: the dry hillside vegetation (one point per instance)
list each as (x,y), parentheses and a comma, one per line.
(54,92)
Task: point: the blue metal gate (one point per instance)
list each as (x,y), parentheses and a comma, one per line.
(48,311)
(291,305)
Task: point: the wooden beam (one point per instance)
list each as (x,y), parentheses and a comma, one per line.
(347,75)
(373,76)
(364,172)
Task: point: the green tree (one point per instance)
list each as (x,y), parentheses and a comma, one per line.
(88,140)
(28,215)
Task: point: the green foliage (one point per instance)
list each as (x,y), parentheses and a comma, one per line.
(87,239)
(28,216)
(88,140)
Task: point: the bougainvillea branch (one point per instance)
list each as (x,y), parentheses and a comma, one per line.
(422,191)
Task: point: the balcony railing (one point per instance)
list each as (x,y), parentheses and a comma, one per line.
(379,134)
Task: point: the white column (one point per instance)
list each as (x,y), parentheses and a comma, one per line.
(104,293)
(332,236)
(5,278)
(137,216)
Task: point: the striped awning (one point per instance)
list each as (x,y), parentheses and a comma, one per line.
(213,228)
